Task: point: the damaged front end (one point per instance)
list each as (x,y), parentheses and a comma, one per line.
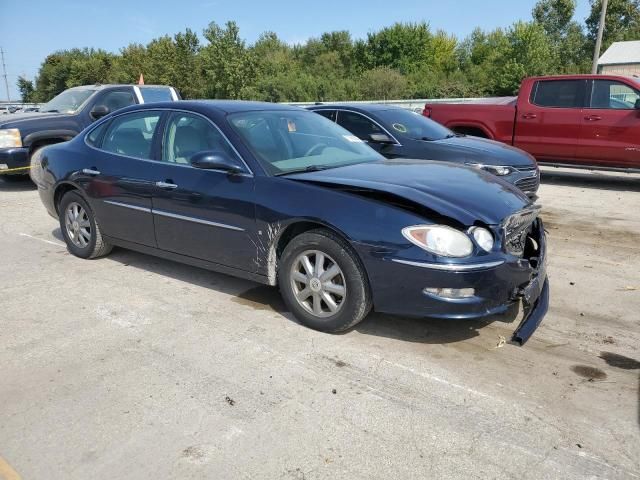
(524,236)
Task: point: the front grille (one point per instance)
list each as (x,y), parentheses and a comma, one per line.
(531,168)
(529,184)
(515,228)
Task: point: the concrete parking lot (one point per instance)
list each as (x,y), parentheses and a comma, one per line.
(136,367)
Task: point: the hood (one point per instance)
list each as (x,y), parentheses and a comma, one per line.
(465,194)
(18,118)
(483,150)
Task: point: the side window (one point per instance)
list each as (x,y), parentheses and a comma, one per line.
(132,134)
(96,134)
(558,93)
(330,114)
(117,100)
(155,94)
(360,126)
(613,95)
(187,134)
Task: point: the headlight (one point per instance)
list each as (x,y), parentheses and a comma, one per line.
(483,238)
(439,239)
(499,170)
(10,138)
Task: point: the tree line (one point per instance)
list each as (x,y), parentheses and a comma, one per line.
(405,60)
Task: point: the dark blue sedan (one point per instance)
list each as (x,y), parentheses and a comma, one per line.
(399,133)
(283,196)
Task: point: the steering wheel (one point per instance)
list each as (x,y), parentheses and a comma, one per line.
(313,149)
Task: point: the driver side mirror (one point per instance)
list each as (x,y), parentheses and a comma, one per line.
(382,138)
(99,111)
(215,161)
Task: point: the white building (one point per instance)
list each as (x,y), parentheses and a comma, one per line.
(621,58)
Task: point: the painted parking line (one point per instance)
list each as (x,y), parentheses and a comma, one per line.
(7,472)
(57,244)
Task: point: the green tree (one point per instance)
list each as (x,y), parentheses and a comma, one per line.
(227,64)
(622,22)
(26,89)
(405,47)
(383,83)
(554,16)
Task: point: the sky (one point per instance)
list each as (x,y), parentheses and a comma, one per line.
(32,29)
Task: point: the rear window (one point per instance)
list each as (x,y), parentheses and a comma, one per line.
(558,93)
(156,94)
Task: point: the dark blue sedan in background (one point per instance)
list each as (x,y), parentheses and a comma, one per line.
(283,196)
(399,133)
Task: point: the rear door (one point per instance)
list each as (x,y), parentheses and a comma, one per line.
(120,178)
(548,122)
(204,214)
(610,134)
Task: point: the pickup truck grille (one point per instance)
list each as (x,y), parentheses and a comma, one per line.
(516,227)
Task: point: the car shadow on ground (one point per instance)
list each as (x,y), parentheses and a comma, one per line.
(11,183)
(263,297)
(624,182)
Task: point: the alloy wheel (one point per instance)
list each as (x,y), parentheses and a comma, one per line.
(78,225)
(318,283)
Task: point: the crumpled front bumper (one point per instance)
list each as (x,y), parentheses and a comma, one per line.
(534,312)
(398,285)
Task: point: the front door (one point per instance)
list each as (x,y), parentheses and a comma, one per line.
(120,179)
(548,122)
(205,214)
(363,127)
(610,133)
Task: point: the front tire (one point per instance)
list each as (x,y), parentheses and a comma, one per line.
(323,282)
(80,228)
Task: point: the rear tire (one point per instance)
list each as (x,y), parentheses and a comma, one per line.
(323,282)
(80,228)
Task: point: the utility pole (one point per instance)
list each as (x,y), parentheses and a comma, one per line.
(4,74)
(596,53)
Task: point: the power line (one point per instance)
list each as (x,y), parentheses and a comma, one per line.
(4,74)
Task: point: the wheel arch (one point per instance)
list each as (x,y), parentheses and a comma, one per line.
(284,235)
(61,189)
(48,137)
(477,130)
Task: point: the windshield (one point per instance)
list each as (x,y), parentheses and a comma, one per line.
(288,141)
(68,101)
(413,125)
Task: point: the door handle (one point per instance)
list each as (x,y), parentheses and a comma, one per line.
(529,116)
(90,171)
(166,185)
(592,118)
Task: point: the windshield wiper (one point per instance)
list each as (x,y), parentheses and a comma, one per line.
(310,168)
(53,110)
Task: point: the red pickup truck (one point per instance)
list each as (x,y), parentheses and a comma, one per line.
(588,121)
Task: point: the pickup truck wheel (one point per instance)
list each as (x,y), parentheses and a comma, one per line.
(80,228)
(323,282)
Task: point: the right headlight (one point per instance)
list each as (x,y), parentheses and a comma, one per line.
(10,138)
(498,170)
(483,237)
(440,240)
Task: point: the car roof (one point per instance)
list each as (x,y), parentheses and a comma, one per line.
(98,86)
(363,107)
(223,106)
